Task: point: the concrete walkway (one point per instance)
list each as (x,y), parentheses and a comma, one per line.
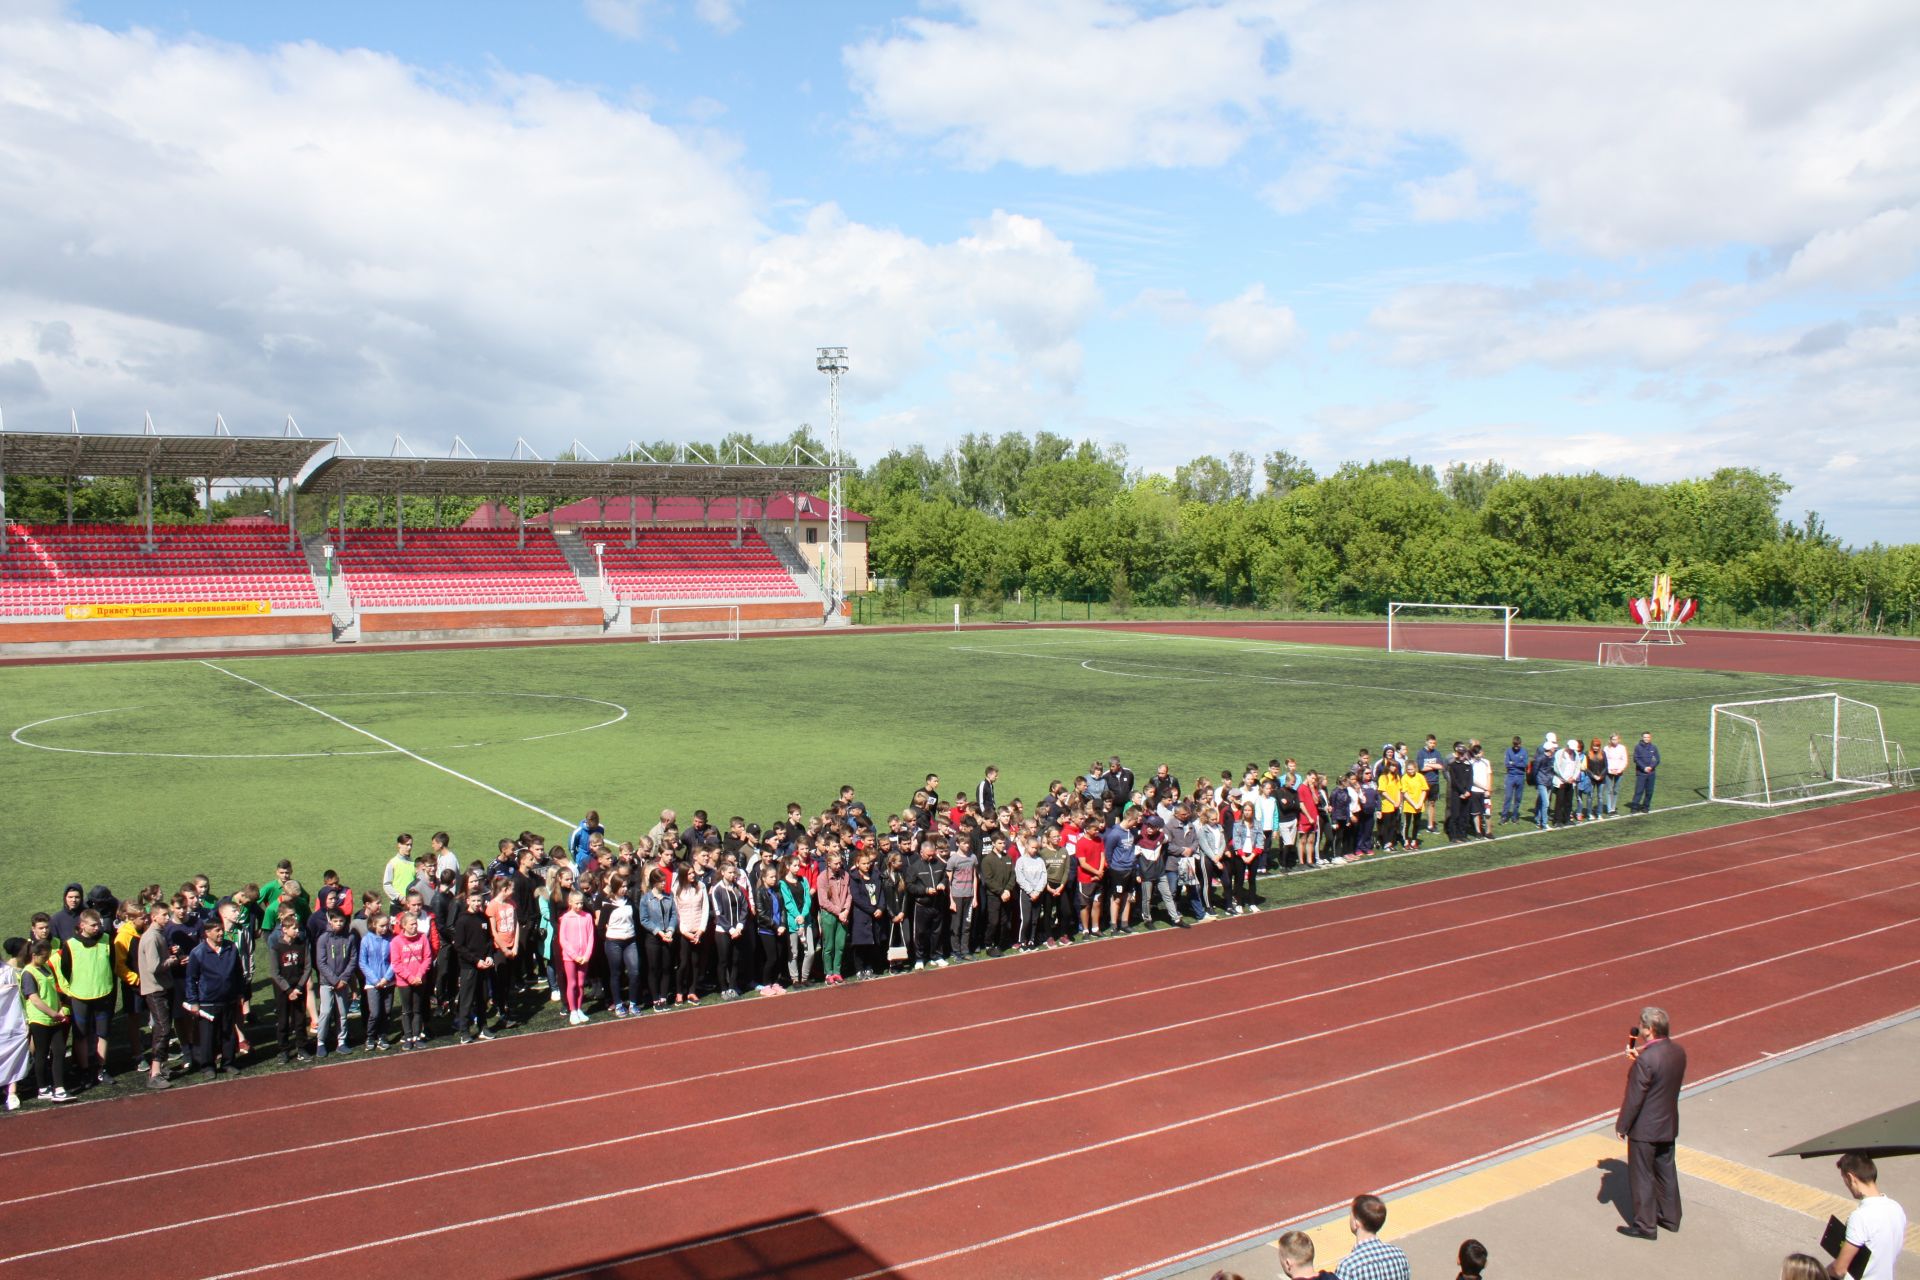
(1550,1213)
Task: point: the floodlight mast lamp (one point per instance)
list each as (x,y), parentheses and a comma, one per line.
(832,361)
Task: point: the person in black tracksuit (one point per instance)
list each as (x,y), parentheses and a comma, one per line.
(473,946)
(927,889)
(291,972)
(1459,788)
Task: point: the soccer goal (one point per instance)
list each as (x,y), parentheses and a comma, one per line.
(1458,630)
(694,622)
(1623,653)
(1778,751)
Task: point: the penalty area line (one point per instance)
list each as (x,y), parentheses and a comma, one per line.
(385,742)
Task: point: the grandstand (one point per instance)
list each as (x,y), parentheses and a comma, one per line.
(47,568)
(721,530)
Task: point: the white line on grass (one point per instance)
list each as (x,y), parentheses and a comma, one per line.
(412,755)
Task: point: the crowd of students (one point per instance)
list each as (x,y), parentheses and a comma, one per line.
(680,914)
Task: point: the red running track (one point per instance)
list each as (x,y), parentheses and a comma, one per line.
(1085,1112)
(1776,653)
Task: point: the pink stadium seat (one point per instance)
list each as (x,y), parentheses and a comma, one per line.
(455,567)
(679,564)
(48,567)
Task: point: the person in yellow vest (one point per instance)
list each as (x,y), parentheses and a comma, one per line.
(1387,783)
(1413,799)
(83,967)
(46,1022)
(126,971)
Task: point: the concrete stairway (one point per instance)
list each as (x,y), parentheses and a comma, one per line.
(346,623)
(586,567)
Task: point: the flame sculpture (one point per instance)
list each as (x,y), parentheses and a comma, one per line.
(1662,608)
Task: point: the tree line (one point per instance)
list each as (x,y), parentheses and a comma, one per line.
(1006,514)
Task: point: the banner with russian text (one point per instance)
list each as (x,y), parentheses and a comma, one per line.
(168,609)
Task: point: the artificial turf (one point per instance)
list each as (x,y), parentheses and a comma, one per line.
(221,776)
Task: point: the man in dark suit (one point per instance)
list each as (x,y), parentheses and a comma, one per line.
(1650,1123)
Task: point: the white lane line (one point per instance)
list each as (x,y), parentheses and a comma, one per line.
(281,1108)
(869,1046)
(1373,1133)
(385,742)
(1184,1122)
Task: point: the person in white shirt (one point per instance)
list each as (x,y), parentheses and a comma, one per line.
(1878,1223)
(1616,767)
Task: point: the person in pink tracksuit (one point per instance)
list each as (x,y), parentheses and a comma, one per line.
(410,955)
(576,953)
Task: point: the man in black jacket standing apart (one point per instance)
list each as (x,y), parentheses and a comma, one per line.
(1650,1123)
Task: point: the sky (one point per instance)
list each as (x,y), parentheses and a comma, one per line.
(1639,238)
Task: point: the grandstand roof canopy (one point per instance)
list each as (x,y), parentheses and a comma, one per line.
(428,477)
(217,457)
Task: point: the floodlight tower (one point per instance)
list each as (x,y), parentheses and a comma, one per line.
(832,361)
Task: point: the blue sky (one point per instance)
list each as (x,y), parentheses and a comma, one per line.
(1624,240)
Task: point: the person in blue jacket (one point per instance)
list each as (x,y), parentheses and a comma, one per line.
(376,975)
(214,989)
(1517,760)
(1646,761)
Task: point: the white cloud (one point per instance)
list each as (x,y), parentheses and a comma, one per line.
(1632,128)
(1489,329)
(1869,254)
(1076,85)
(718,14)
(624,18)
(1251,331)
(1448,197)
(1349,420)
(191,226)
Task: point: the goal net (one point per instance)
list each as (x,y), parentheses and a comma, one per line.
(1779,751)
(694,622)
(1460,630)
(1618,653)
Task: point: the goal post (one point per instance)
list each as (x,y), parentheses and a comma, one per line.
(1622,653)
(693,622)
(1453,630)
(1779,751)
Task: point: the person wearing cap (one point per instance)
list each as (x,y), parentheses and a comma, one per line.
(1541,774)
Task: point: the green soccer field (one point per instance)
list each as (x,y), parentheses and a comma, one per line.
(139,772)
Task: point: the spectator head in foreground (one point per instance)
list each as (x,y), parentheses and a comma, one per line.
(1473,1260)
(1369,1215)
(1296,1257)
(1800,1266)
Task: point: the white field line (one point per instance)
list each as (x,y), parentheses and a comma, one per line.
(1601,868)
(318,755)
(388,743)
(868,1046)
(1183,1122)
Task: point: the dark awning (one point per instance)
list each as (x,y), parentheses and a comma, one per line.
(1891,1133)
